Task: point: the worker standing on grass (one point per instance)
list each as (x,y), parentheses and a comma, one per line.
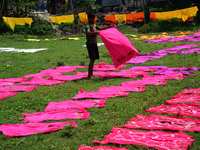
(91,44)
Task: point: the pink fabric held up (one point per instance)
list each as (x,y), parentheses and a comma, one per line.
(155,139)
(118,45)
(84,147)
(163,122)
(52,106)
(13,130)
(79,113)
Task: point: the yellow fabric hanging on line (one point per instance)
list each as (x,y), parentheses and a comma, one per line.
(168,15)
(19,21)
(188,12)
(83,16)
(120,17)
(69,18)
(11,21)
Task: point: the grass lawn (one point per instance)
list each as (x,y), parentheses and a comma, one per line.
(117,111)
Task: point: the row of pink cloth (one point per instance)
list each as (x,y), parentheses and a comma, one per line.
(159,139)
(160,53)
(188,38)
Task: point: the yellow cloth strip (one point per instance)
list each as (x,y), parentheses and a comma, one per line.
(179,14)
(11,21)
(62,19)
(188,12)
(168,15)
(120,17)
(69,18)
(82,16)
(19,21)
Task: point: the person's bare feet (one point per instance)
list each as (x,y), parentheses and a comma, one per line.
(92,77)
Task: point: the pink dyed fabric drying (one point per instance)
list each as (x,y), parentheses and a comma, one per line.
(7,94)
(13,130)
(163,122)
(187,99)
(159,53)
(99,94)
(70,67)
(177,109)
(37,80)
(123,88)
(104,67)
(125,74)
(96,73)
(155,139)
(67,77)
(13,80)
(118,46)
(17,88)
(6,83)
(79,113)
(83,147)
(52,106)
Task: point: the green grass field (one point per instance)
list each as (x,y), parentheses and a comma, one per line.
(117,111)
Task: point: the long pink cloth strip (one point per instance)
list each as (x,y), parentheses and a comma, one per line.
(17,88)
(67,77)
(125,74)
(187,99)
(155,139)
(177,109)
(192,37)
(6,83)
(139,88)
(159,53)
(7,94)
(13,130)
(79,113)
(187,92)
(99,94)
(52,106)
(118,45)
(84,147)
(37,80)
(163,122)
(19,79)
(105,67)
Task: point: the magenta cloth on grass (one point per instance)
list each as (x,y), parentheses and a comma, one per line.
(177,109)
(67,77)
(6,83)
(124,74)
(155,139)
(7,94)
(136,88)
(37,80)
(84,147)
(17,88)
(118,45)
(13,130)
(186,99)
(92,94)
(52,106)
(104,67)
(13,80)
(163,122)
(78,113)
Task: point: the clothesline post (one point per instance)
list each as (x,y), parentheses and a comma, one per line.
(144,19)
